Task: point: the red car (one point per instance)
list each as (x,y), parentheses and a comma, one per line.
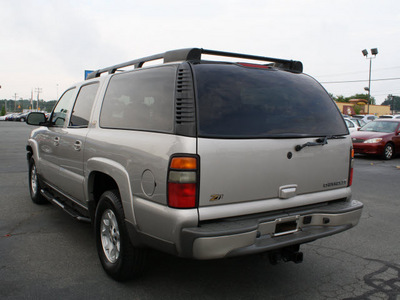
(380,137)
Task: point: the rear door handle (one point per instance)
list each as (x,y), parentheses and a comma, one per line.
(78,145)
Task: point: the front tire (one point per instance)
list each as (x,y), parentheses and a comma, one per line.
(34,184)
(388,152)
(119,258)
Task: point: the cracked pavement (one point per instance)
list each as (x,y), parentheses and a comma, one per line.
(45,254)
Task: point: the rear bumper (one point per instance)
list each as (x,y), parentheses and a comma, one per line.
(255,235)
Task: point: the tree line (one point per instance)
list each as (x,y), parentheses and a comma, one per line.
(393,101)
(341,98)
(12,106)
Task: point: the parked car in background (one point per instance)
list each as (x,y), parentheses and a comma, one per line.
(390,117)
(351,125)
(359,122)
(365,118)
(21,117)
(9,117)
(380,137)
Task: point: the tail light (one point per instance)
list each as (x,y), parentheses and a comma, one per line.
(183,181)
(350,181)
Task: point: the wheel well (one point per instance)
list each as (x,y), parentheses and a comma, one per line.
(391,143)
(30,152)
(98,184)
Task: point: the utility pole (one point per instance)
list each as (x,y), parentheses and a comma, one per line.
(15,103)
(5,104)
(391,96)
(38,91)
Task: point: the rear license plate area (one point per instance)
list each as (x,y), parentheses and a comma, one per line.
(285,228)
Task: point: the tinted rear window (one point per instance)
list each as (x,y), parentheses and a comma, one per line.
(241,102)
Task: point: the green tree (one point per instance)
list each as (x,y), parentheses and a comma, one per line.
(341,98)
(390,101)
(3,111)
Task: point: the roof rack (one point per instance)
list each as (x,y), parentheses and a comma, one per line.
(195,54)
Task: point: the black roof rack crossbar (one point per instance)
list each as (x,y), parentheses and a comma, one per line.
(137,63)
(195,54)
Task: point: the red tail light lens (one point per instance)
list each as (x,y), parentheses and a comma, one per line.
(182,195)
(350,182)
(183,182)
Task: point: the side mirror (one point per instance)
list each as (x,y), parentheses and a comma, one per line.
(36,118)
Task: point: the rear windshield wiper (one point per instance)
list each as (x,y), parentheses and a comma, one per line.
(319,142)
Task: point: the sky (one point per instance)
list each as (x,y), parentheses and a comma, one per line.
(48,44)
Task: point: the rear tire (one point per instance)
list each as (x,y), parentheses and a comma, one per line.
(119,258)
(388,151)
(34,184)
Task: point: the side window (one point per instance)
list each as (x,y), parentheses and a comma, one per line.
(83,105)
(63,108)
(141,100)
(349,124)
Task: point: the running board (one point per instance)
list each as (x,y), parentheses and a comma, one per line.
(69,210)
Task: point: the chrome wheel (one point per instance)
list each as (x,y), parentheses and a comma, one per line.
(119,258)
(110,236)
(34,184)
(388,151)
(34,180)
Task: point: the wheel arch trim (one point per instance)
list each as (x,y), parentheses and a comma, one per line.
(33,148)
(119,174)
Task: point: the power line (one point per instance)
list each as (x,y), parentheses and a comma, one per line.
(349,81)
(356,72)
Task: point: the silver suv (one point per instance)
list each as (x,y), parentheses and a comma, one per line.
(199,159)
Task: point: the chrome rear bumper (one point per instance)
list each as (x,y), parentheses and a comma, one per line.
(256,235)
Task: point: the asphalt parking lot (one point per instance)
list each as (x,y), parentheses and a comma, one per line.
(45,254)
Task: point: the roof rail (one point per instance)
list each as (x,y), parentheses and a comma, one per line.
(195,54)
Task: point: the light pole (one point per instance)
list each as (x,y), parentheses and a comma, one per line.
(38,91)
(374,52)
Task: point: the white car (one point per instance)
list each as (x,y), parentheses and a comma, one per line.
(5,117)
(352,125)
(390,117)
(359,122)
(365,118)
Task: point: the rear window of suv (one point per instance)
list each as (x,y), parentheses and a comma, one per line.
(241,102)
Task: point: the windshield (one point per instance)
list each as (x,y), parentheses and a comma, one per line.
(380,126)
(241,102)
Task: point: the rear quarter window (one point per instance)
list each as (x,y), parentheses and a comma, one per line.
(241,102)
(140,100)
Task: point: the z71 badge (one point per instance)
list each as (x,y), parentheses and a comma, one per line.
(216,197)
